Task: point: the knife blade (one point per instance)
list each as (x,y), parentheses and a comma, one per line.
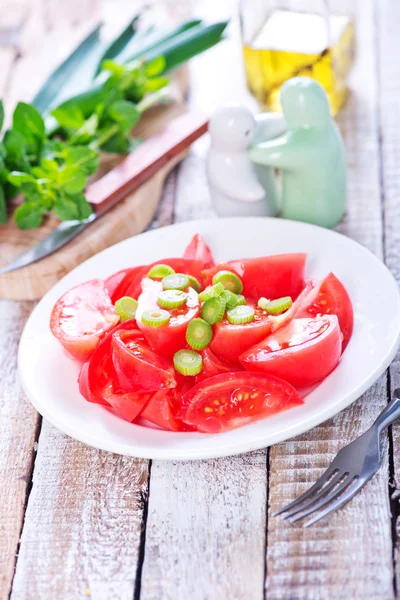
(120,181)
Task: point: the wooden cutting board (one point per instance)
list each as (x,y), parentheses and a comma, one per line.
(129,217)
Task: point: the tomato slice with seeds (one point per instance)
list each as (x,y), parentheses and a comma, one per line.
(269,276)
(198,250)
(330,297)
(171,337)
(136,366)
(82,316)
(231,400)
(302,352)
(98,384)
(230,341)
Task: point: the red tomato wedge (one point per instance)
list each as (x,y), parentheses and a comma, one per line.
(198,250)
(231,400)
(292,312)
(212,365)
(330,297)
(81,317)
(112,282)
(230,341)
(97,381)
(136,366)
(162,407)
(129,285)
(269,276)
(302,352)
(169,338)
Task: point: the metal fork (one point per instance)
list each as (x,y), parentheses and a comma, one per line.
(350,470)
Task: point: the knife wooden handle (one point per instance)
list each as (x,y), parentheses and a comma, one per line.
(146,160)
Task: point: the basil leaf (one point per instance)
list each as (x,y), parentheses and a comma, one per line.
(28,216)
(3,206)
(66,209)
(28,121)
(83,206)
(125,113)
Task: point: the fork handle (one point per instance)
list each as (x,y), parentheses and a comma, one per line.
(390,413)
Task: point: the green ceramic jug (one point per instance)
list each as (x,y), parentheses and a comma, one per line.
(311,156)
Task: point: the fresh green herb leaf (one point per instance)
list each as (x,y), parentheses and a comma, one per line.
(125,114)
(69,116)
(28,121)
(17,178)
(156,83)
(83,157)
(49,165)
(28,216)
(3,206)
(72,179)
(155,67)
(15,144)
(117,144)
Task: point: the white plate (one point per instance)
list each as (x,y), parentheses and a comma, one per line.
(49,376)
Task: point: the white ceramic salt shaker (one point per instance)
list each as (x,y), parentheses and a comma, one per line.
(239,187)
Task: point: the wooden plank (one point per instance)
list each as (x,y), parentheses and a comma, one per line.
(206,530)
(315,562)
(83,523)
(19,428)
(389,71)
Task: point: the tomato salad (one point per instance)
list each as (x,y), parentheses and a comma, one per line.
(189,345)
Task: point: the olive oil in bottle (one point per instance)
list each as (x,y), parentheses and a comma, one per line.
(290,44)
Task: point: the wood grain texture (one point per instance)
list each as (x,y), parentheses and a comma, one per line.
(206,530)
(388,15)
(19,426)
(348,555)
(83,523)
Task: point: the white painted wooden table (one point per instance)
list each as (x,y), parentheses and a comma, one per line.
(76,522)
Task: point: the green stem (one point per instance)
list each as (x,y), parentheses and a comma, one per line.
(160,96)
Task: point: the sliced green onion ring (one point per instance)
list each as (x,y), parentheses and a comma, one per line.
(188,362)
(278,306)
(198,334)
(175,281)
(171,298)
(211,292)
(155,317)
(126,308)
(160,271)
(239,315)
(213,310)
(229,280)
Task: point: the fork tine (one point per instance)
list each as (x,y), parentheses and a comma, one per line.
(350,492)
(326,499)
(317,485)
(322,492)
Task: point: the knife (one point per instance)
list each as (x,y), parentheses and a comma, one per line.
(122,180)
